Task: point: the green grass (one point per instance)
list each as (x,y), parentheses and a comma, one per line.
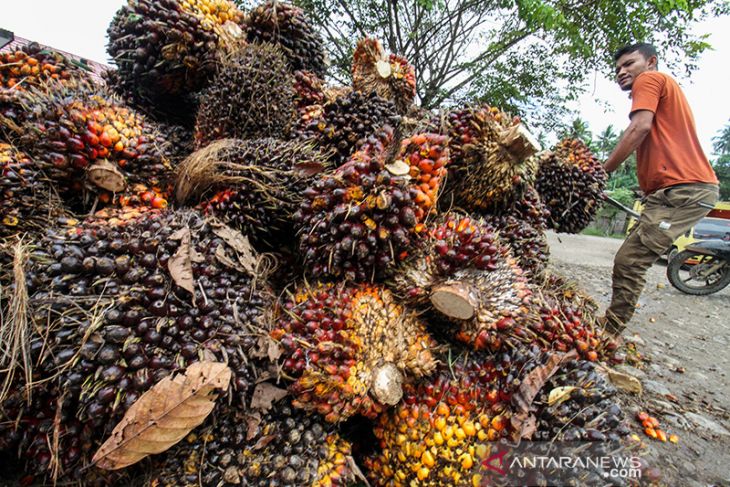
(597,232)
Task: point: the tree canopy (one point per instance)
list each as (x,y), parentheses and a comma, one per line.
(528,56)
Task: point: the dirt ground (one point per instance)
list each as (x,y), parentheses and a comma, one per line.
(684,344)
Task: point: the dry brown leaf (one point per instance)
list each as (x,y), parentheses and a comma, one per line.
(534,381)
(252,425)
(240,243)
(263,441)
(180,265)
(163,415)
(265,395)
(307,169)
(623,381)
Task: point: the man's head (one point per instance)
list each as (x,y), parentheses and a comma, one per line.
(633,60)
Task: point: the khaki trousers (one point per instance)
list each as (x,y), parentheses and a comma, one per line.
(668,213)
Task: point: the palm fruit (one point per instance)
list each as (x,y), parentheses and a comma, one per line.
(528,244)
(463,270)
(32,65)
(253,185)
(284,24)
(345,124)
(283,447)
(569,320)
(360,220)
(491,156)
(251,96)
(308,90)
(570,182)
(390,76)
(169,47)
(348,349)
(27,199)
(179,142)
(112,313)
(178,109)
(428,157)
(86,140)
(583,410)
(442,430)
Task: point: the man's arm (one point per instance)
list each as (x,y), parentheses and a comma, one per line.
(636,132)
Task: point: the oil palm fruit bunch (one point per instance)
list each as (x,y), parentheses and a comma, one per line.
(178,109)
(463,271)
(360,220)
(576,413)
(120,302)
(283,447)
(390,76)
(169,47)
(491,156)
(442,430)
(308,90)
(569,320)
(588,412)
(346,123)
(86,140)
(180,141)
(32,65)
(571,182)
(284,24)
(349,348)
(252,185)
(251,96)
(28,201)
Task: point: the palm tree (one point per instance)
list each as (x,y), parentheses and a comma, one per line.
(721,142)
(606,141)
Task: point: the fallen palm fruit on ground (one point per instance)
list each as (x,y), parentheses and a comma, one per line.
(87,141)
(390,76)
(116,304)
(651,428)
(286,25)
(251,96)
(282,446)
(253,185)
(349,349)
(570,182)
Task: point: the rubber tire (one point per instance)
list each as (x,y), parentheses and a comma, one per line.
(676,264)
(672,254)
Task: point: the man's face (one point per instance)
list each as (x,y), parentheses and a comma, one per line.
(631,65)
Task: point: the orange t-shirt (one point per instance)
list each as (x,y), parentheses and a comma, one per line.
(671,152)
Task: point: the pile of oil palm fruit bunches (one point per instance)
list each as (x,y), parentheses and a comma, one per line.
(371,276)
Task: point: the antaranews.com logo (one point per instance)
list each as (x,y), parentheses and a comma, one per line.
(568,463)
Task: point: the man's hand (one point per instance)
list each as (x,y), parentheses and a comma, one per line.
(636,132)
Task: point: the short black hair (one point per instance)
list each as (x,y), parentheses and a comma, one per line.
(646,50)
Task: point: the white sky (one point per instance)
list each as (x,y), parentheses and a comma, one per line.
(79,27)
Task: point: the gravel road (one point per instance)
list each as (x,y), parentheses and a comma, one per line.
(684,343)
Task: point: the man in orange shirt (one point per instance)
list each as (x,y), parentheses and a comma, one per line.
(672,169)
